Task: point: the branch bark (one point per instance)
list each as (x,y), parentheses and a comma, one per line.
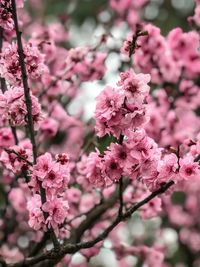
(29,106)
(24,80)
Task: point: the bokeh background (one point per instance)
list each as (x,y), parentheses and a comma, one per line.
(87,20)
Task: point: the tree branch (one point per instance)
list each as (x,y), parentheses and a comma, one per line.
(12,151)
(95,215)
(39,245)
(2,80)
(24,80)
(73,248)
(120,211)
(4,87)
(29,106)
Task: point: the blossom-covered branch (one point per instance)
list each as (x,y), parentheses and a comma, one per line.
(70,177)
(72,248)
(28,102)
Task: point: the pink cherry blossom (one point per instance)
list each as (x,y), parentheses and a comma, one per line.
(10,67)
(188,168)
(57,211)
(36,217)
(15,107)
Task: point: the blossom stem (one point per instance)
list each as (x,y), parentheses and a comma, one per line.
(2,80)
(120,211)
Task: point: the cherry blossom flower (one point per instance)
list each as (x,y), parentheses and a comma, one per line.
(36,217)
(57,210)
(10,66)
(188,168)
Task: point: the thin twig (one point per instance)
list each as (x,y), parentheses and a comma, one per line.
(25,81)
(121,204)
(2,80)
(14,133)
(197,158)
(37,247)
(12,151)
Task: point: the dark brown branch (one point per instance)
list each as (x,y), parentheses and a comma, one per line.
(197,158)
(2,80)
(135,207)
(14,133)
(39,245)
(133,44)
(1,38)
(120,211)
(24,80)
(95,215)
(73,248)
(29,105)
(12,151)
(126,215)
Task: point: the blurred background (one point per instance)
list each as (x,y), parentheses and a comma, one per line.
(87,20)
(167,14)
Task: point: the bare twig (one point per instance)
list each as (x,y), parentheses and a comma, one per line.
(14,133)
(2,80)
(120,211)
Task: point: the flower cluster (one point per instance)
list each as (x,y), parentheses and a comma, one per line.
(83,62)
(166,59)
(6,21)
(10,65)
(53,177)
(16,158)
(13,107)
(123,108)
(121,113)
(127,159)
